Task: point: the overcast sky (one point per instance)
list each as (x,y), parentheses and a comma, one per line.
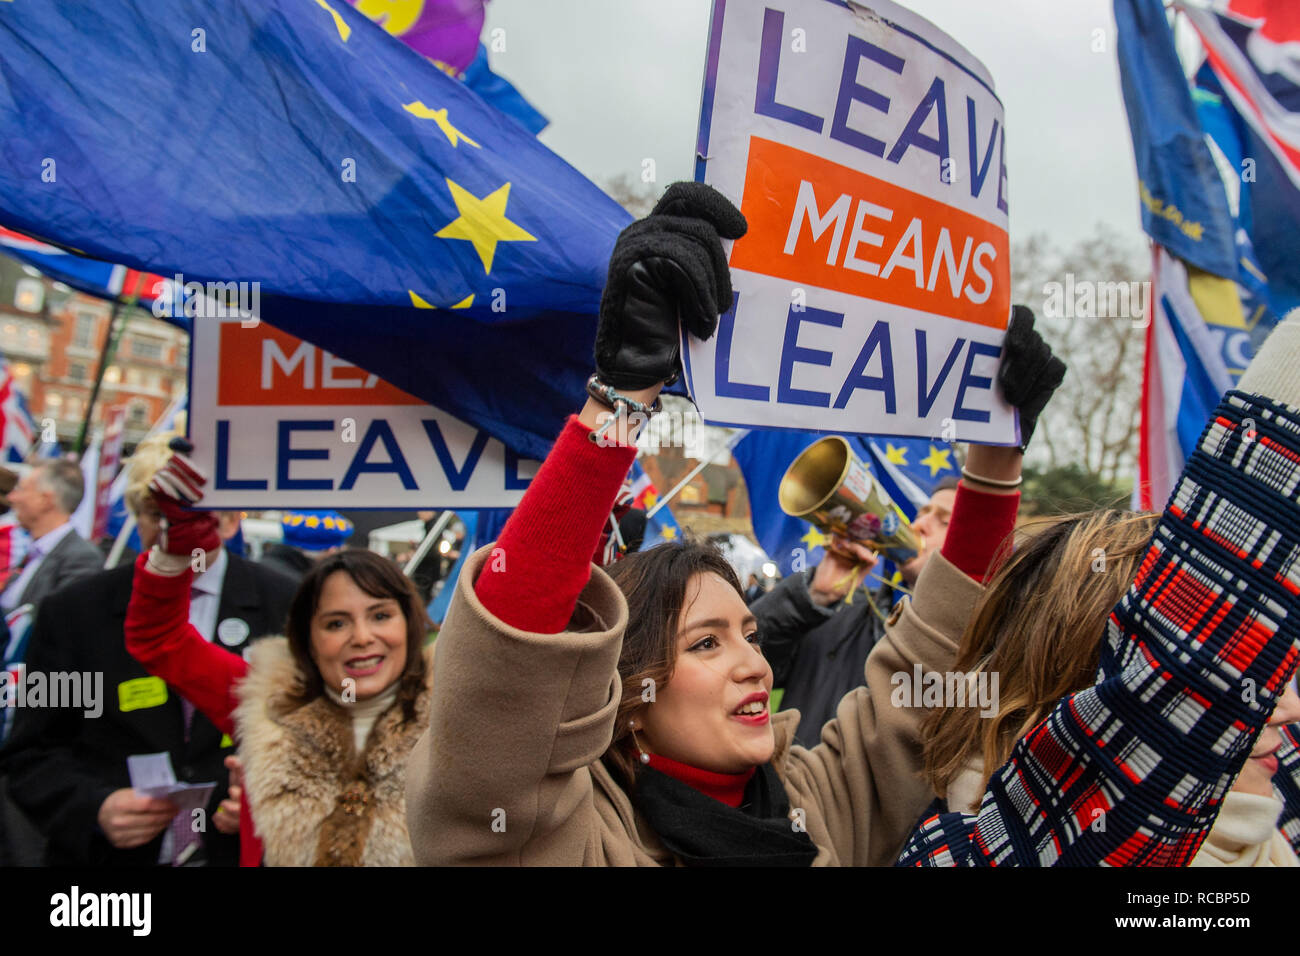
(620,81)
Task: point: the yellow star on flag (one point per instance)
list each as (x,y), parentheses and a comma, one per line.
(815,539)
(483,222)
(422,303)
(937,461)
(895,456)
(650,499)
(345,31)
(669,533)
(454,136)
(395,16)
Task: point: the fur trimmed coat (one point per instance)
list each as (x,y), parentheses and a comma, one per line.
(314,800)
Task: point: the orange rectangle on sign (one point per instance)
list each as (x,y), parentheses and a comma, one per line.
(821,224)
(263,366)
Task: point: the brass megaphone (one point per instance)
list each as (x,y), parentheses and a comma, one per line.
(832,487)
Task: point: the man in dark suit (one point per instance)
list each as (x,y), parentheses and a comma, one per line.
(43,502)
(68,771)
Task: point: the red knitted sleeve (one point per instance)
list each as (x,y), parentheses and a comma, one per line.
(980,524)
(543,558)
(160,636)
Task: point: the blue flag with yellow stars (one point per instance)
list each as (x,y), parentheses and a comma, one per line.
(385,211)
(909,469)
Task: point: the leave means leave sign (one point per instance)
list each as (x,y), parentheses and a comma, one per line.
(867,150)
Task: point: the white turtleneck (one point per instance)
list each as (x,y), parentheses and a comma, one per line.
(1245,834)
(364,713)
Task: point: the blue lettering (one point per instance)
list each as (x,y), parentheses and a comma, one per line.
(792,353)
(285,454)
(722,362)
(912,135)
(379,430)
(977,381)
(851,91)
(513,480)
(977,175)
(769,65)
(925,399)
(458,478)
(884,382)
(1002,177)
(223,482)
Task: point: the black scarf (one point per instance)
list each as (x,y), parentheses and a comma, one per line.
(702,831)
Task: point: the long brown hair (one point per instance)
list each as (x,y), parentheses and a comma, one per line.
(379,577)
(656,585)
(1037,629)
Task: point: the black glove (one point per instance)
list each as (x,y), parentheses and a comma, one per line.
(1029,372)
(667,266)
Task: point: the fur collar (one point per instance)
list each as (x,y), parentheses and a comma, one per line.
(313,799)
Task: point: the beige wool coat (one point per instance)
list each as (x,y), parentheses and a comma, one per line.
(509,771)
(314,800)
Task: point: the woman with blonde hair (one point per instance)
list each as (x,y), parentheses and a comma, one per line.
(1140,680)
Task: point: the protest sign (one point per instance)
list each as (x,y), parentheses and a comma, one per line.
(867,151)
(280,423)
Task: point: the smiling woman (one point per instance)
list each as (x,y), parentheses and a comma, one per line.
(323,717)
(621,717)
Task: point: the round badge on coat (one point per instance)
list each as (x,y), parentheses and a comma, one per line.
(232,631)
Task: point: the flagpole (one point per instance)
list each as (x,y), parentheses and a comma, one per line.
(444,519)
(122,306)
(119,543)
(704,463)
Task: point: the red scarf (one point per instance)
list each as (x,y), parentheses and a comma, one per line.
(729,788)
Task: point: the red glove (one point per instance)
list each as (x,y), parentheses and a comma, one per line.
(176,487)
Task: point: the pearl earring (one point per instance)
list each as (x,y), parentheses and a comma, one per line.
(645,757)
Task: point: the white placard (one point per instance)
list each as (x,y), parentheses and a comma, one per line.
(867,151)
(279,423)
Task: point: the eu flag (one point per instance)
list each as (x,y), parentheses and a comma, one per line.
(388,214)
(1183,204)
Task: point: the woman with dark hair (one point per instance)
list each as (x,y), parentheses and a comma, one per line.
(324,718)
(621,717)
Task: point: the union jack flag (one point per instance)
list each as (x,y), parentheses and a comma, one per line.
(17,429)
(1253,46)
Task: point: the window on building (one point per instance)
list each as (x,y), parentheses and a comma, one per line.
(112,375)
(76,408)
(133,377)
(76,371)
(29,295)
(83,335)
(53,403)
(147,349)
(138,415)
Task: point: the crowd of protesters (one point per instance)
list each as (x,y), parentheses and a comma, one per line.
(575,710)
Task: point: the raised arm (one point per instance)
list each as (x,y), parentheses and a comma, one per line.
(527,658)
(866,772)
(157,629)
(1132,771)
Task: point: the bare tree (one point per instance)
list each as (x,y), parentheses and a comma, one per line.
(1092,306)
(636,197)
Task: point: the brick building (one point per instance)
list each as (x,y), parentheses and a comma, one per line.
(53,338)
